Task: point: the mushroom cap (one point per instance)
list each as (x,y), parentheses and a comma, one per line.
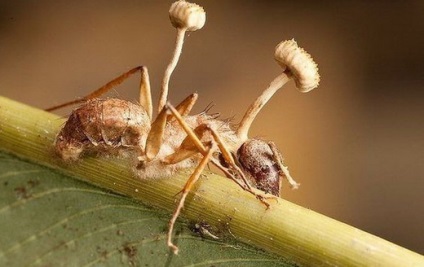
(187,15)
(297,62)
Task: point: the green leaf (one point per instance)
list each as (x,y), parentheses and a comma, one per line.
(49,219)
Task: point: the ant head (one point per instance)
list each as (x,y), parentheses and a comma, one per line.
(261,162)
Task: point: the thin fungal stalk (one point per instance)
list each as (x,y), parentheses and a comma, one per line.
(171,67)
(255,107)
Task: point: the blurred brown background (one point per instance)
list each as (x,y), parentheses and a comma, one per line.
(356,143)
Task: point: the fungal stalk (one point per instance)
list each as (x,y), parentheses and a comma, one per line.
(298,65)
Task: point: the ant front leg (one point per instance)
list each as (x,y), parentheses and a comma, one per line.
(284,169)
(187,187)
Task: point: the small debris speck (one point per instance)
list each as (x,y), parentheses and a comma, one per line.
(22,193)
(129,251)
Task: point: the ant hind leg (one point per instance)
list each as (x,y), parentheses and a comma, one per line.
(145,95)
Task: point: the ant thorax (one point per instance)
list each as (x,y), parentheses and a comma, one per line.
(173,137)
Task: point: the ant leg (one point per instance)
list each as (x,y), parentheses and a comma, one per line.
(154,139)
(145,96)
(188,147)
(284,169)
(185,106)
(191,135)
(145,93)
(187,187)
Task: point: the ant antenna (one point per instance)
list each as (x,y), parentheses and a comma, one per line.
(208,107)
(298,65)
(185,17)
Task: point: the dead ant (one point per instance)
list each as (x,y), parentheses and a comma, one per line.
(176,140)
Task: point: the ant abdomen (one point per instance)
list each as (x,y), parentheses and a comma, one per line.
(261,165)
(103,125)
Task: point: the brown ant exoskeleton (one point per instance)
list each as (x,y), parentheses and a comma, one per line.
(176,140)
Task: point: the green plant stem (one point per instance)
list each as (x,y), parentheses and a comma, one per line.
(298,234)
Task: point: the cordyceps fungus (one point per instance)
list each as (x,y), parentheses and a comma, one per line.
(298,65)
(176,140)
(254,154)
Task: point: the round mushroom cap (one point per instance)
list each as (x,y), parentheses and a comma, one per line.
(297,62)
(187,15)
